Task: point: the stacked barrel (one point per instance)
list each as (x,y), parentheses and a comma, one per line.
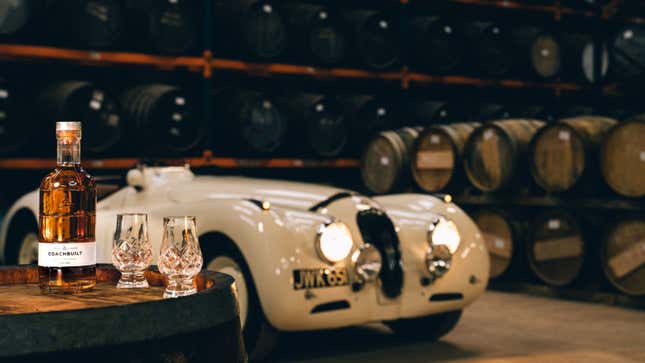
(519,159)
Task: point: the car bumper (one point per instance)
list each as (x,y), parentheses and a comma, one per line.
(333,307)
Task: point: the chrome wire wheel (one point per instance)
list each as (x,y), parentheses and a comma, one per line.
(229,266)
(28,252)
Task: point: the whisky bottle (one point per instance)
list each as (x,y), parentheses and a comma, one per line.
(67,247)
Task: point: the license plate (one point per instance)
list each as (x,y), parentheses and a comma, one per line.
(319,278)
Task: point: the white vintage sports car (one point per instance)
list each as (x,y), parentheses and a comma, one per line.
(303,256)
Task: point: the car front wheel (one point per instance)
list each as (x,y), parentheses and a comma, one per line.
(260,338)
(431,327)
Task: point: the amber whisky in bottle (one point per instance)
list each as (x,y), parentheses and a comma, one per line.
(67,247)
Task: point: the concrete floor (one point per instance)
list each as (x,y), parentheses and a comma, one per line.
(498,328)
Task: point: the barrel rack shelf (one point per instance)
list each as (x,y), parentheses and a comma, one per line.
(18,52)
(570,293)
(583,202)
(206,64)
(195,162)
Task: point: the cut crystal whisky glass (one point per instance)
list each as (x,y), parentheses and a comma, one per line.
(132,249)
(180,258)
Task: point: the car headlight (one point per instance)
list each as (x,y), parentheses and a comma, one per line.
(334,242)
(367,262)
(444,232)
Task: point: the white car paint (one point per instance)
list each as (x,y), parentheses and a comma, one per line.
(276,241)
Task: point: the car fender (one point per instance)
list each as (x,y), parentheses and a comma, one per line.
(273,241)
(28,202)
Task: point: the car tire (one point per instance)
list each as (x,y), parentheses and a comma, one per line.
(22,240)
(430,328)
(260,338)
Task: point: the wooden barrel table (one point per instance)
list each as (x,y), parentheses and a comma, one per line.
(124,325)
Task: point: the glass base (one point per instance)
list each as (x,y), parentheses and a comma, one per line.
(179,288)
(132,280)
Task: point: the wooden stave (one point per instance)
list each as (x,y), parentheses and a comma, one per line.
(401,141)
(582,262)
(617,282)
(215,303)
(454,132)
(606,174)
(517,136)
(589,130)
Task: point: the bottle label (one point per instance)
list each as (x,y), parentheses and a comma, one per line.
(66,254)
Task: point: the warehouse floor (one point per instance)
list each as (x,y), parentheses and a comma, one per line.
(498,328)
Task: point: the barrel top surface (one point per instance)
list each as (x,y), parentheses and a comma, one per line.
(112,316)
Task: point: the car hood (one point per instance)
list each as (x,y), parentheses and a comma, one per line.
(295,195)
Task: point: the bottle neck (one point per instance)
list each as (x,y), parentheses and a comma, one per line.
(68,153)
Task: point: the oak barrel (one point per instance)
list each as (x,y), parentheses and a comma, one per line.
(491,48)
(385,164)
(317,123)
(503,234)
(13,129)
(376,37)
(249,122)
(14,15)
(494,153)
(438,43)
(431,112)
(252,28)
(566,153)
(622,157)
(579,58)
(166,118)
(366,116)
(628,52)
(96,24)
(623,255)
(556,247)
(437,154)
(318,31)
(103,127)
(539,51)
(110,324)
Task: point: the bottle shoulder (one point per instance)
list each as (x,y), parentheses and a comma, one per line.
(71,177)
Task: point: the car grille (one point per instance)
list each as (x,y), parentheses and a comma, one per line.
(377,229)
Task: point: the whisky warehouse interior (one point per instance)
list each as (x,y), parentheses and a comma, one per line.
(458,181)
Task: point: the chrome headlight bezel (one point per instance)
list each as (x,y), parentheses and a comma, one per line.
(333,254)
(444,232)
(361,258)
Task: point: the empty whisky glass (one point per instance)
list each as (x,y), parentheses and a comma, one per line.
(132,250)
(180,258)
